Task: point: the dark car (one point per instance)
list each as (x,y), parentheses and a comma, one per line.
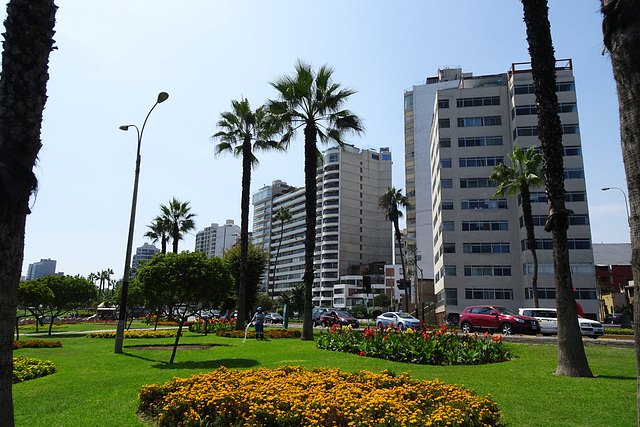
(613,318)
(316,313)
(338,317)
(272,318)
(497,318)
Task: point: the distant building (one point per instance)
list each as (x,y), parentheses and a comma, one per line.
(143,253)
(216,239)
(614,276)
(46,267)
(350,228)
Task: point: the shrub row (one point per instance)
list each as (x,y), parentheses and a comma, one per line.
(618,331)
(268,333)
(293,396)
(134,334)
(36,344)
(428,347)
(212,326)
(25,368)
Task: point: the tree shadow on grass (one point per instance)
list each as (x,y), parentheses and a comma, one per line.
(616,377)
(54,336)
(210,364)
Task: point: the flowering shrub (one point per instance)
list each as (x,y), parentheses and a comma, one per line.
(134,334)
(620,331)
(213,326)
(268,333)
(25,368)
(293,396)
(427,347)
(36,344)
(56,325)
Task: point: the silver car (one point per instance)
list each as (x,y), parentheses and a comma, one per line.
(397,319)
(549,322)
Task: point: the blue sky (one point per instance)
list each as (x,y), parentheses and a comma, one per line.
(114,57)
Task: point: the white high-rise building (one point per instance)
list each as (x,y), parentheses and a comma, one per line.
(350,229)
(143,253)
(457,128)
(216,239)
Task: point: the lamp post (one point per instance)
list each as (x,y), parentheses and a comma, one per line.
(162,96)
(626,202)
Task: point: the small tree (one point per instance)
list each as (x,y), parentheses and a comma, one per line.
(382,300)
(178,216)
(35,296)
(294,298)
(257,261)
(186,281)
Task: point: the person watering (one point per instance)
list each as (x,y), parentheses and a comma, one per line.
(258,322)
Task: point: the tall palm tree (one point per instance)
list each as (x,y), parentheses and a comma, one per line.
(105,278)
(159,230)
(284,216)
(312,101)
(245,131)
(179,216)
(28,40)
(525,172)
(622,38)
(390,201)
(572,360)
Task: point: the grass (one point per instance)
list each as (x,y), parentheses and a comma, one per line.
(94,386)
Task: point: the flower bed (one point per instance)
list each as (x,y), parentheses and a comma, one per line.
(134,334)
(293,396)
(25,368)
(36,344)
(268,333)
(212,326)
(428,347)
(45,326)
(621,331)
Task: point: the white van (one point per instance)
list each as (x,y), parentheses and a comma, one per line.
(549,324)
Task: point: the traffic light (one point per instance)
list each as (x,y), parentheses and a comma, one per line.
(367,284)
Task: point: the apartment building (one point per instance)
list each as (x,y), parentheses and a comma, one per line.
(216,239)
(480,253)
(143,254)
(45,267)
(351,229)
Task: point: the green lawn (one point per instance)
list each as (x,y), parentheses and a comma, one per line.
(94,386)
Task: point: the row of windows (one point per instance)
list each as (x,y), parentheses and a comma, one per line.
(479,141)
(477,183)
(527,110)
(569,196)
(495,225)
(471,162)
(574,243)
(470,293)
(568,129)
(487,270)
(478,102)
(581,269)
(486,248)
(484,204)
(528,88)
(541,220)
(479,121)
(550,293)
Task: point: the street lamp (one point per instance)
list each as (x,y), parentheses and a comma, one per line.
(162,96)
(626,203)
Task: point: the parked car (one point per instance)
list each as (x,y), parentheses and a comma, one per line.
(272,318)
(613,318)
(497,318)
(549,322)
(317,312)
(338,317)
(209,314)
(397,319)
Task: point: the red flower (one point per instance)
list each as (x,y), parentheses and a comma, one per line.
(362,353)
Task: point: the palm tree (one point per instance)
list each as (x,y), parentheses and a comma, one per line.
(159,230)
(525,172)
(572,360)
(311,100)
(105,277)
(621,38)
(245,131)
(283,215)
(390,201)
(28,40)
(180,218)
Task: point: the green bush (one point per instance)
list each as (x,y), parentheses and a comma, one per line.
(375,313)
(25,368)
(429,347)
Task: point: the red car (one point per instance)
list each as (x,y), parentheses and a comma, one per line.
(338,317)
(497,318)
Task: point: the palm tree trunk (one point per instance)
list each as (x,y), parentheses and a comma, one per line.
(621,38)
(404,271)
(531,237)
(310,171)
(572,360)
(176,236)
(28,40)
(244,234)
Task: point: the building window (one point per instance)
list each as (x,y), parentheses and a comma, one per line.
(448,248)
(448,226)
(478,102)
(472,162)
(479,141)
(471,293)
(446,183)
(444,123)
(487,270)
(576,173)
(543,293)
(443,103)
(487,225)
(447,205)
(486,248)
(448,270)
(479,121)
(445,142)
(585,293)
(484,204)
(446,163)
(547,244)
(408,102)
(477,183)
